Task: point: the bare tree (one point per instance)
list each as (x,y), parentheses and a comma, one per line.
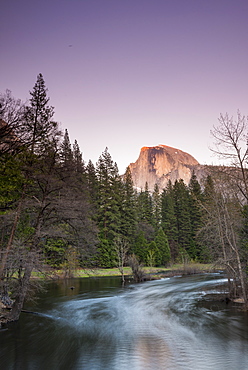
(224,212)
(11,119)
(221,234)
(138,272)
(231,139)
(121,248)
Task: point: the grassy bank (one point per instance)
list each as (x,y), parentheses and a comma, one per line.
(156,272)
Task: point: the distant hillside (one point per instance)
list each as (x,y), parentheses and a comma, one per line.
(162,163)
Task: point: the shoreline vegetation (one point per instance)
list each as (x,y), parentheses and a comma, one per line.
(150,273)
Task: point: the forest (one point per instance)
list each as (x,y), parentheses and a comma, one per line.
(58,212)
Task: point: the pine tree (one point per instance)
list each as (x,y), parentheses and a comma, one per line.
(169,220)
(78,158)
(117,190)
(195,201)
(128,208)
(145,213)
(92,183)
(208,190)
(66,152)
(162,244)
(140,247)
(11,182)
(156,205)
(72,163)
(39,128)
(109,203)
(182,212)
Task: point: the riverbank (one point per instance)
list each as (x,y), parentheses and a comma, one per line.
(152,272)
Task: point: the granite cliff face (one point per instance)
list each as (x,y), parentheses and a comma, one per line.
(161,163)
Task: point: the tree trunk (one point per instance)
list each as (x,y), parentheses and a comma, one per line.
(12,234)
(25,280)
(21,294)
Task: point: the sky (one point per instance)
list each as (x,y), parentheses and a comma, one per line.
(124,74)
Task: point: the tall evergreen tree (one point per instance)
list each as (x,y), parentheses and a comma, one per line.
(78,158)
(195,206)
(162,244)
(92,183)
(209,189)
(182,212)
(129,208)
(156,204)
(140,247)
(109,204)
(145,213)
(66,151)
(38,124)
(11,182)
(168,219)
(72,163)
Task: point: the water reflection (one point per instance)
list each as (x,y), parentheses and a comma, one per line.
(156,325)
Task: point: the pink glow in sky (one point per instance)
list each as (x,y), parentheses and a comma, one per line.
(130,73)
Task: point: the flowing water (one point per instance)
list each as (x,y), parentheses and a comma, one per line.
(163,324)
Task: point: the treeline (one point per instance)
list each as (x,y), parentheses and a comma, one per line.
(58,211)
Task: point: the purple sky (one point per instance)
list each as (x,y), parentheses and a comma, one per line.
(130,73)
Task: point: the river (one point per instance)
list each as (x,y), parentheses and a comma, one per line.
(98,325)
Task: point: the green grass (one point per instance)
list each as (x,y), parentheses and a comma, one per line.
(98,272)
(102,272)
(115,271)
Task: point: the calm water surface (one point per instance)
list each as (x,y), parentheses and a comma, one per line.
(165,324)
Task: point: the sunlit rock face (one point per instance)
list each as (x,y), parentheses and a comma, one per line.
(161,163)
